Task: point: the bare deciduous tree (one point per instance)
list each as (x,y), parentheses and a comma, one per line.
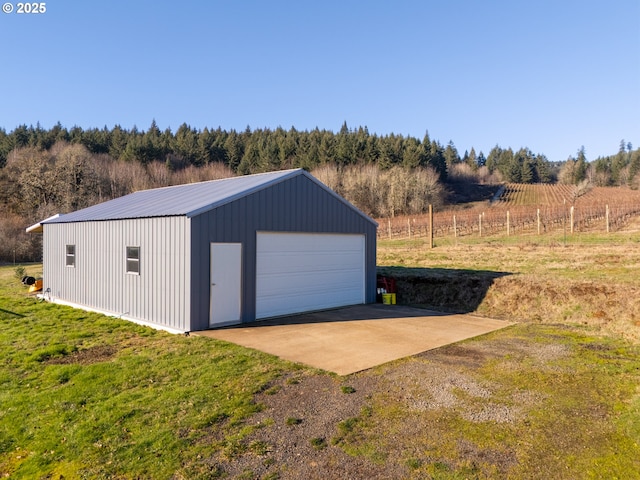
(388,192)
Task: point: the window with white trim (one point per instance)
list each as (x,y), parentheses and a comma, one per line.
(70,256)
(133,260)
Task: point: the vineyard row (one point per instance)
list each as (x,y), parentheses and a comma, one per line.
(512,220)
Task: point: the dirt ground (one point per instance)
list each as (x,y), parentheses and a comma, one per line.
(305,421)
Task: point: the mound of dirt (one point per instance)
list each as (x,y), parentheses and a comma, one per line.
(614,309)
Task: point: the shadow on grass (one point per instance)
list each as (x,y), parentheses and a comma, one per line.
(445,290)
(11,313)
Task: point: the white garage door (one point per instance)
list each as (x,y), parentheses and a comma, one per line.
(300,272)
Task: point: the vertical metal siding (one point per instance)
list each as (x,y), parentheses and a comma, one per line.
(295,205)
(173,287)
(158,295)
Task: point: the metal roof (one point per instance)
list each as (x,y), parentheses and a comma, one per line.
(37,227)
(189,200)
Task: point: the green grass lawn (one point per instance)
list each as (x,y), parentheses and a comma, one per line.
(84,395)
(87,396)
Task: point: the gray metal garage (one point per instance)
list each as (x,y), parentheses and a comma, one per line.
(196,256)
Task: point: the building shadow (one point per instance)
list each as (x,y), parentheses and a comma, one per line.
(441,289)
(372,311)
(420,292)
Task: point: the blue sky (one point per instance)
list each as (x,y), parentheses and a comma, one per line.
(548,75)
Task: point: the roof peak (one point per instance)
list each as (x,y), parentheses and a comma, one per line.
(275,173)
(188,199)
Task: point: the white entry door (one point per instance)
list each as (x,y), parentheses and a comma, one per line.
(226,283)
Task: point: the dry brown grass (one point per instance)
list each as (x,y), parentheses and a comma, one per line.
(611,309)
(591,281)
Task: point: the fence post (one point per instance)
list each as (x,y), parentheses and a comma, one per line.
(607,217)
(508,223)
(455,228)
(430,226)
(480,224)
(389,223)
(564,221)
(409,227)
(538,218)
(571,218)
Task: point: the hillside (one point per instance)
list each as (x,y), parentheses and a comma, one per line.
(523,209)
(44,172)
(541,195)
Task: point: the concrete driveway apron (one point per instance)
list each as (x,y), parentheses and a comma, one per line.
(351,339)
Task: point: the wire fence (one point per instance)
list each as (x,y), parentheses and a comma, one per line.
(511,220)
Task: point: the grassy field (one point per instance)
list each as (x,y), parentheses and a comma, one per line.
(588,279)
(87,396)
(556,396)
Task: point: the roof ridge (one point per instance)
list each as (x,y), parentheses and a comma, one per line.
(188,199)
(191,199)
(274,172)
(280,175)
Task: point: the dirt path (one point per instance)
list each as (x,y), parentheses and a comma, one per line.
(476,408)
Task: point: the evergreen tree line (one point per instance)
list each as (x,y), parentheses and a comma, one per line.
(522,166)
(250,151)
(621,169)
(260,150)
